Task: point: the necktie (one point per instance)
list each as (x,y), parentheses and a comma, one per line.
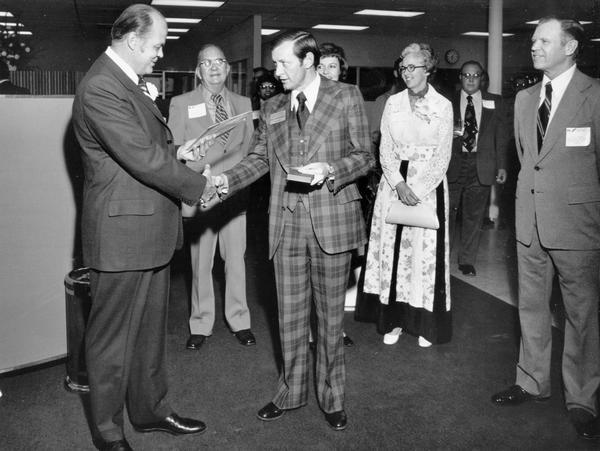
(470,125)
(302,112)
(220,114)
(142,85)
(543,116)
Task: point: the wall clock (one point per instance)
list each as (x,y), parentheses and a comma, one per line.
(452,56)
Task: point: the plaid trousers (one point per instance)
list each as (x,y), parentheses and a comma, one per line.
(303,273)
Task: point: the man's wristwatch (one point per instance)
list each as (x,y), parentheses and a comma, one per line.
(330,172)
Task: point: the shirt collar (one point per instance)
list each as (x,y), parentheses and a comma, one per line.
(475,95)
(122,64)
(310,91)
(559,83)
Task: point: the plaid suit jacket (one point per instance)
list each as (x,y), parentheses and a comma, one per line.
(339,135)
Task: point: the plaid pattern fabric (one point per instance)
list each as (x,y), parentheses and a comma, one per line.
(304,272)
(544,115)
(220,114)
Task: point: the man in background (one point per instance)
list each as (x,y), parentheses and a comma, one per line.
(190,114)
(478,160)
(7,86)
(131,226)
(557,133)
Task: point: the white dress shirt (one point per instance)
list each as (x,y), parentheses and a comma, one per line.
(559,86)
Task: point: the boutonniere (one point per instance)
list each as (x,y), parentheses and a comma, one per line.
(423,110)
(152,90)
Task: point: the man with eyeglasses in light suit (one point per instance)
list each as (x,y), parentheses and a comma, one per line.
(190,114)
(478,159)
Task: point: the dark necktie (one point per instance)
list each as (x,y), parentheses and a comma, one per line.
(142,85)
(220,114)
(470,125)
(302,112)
(544,115)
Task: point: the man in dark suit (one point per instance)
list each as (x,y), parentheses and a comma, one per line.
(7,86)
(320,127)
(478,159)
(190,114)
(131,226)
(557,133)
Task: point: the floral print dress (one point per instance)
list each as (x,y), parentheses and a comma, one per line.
(416,294)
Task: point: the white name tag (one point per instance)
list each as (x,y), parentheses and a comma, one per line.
(277,117)
(195,111)
(488,104)
(578,136)
(255,114)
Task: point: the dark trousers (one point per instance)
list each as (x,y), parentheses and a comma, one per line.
(304,272)
(125,348)
(471,197)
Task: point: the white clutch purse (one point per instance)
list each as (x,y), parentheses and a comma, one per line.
(420,215)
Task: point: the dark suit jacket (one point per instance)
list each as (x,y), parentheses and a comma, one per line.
(7,87)
(133,184)
(339,135)
(559,187)
(492,140)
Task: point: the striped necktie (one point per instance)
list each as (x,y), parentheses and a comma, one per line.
(142,85)
(220,114)
(543,116)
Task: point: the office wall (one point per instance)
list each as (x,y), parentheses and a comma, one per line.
(38,180)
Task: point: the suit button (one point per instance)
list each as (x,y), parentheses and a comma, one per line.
(537,168)
(532,191)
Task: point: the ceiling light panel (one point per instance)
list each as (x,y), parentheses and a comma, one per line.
(181,20)
(484,33)
(389,13)
(268,31)
(340,27)
(189,3)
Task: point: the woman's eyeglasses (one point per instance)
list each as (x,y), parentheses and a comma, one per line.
(219,62)
(409,68)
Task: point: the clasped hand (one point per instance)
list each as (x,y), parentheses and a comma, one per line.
(406,195)
(216,187)
(319,171)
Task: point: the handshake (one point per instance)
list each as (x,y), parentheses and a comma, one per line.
(216,187)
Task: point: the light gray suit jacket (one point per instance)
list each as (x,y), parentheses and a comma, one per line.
(559,187)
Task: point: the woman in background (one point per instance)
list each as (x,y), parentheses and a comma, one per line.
(408,267)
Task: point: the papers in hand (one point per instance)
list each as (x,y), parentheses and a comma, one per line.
(212,132)
(294,175)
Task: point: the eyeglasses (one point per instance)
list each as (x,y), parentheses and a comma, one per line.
(409,68)
(467,75)
(219,62)
(267,86)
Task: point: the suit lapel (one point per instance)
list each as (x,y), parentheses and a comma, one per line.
(486,113)
(568,107)
(135,91)
(529,119)
(318,124)
(277,126)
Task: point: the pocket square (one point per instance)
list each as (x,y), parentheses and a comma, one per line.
(420,215)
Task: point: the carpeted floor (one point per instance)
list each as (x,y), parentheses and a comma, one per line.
(397,397)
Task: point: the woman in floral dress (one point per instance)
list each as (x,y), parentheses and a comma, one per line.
(408,267)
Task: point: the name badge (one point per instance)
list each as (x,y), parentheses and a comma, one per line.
(277,117)
(195,111)
(578,136)
(488,104)
(255,114)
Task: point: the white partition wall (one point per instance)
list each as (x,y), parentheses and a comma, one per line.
(38,178)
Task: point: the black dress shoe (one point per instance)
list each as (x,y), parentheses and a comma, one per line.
(270,412)
(173,424)
(589,430)
(195,342)
(515,395)
(467,270)
(337,420)
(245,337)
(117,445)
(348,341)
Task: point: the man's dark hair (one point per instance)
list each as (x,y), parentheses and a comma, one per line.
(304,43)
(475,63)
(137,18)
(571,29)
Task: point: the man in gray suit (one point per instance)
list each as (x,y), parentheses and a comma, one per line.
(557,133)
(190,114)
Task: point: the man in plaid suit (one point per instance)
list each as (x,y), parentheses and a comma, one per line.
(313,226)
